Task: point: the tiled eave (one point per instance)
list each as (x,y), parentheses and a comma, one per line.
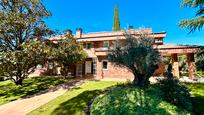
(116,37)
(169,49)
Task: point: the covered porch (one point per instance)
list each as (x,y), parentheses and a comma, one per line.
(174,51)
(88,67)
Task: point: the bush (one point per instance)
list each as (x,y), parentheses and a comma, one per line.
(200,73)
(131,100)
(175,92)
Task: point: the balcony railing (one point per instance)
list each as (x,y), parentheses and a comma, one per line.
(103,49)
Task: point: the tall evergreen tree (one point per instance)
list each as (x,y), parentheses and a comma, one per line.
(116,26)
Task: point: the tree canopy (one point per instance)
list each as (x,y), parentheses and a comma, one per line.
(20,21)
(138,56)
(66,53)
(17,65)
(197,22)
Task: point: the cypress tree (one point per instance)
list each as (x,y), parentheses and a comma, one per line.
(116,26)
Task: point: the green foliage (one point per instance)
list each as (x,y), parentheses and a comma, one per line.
(17,65)
(200,73)
(68,52)
(199,58)
(197,22)
(183,66)
(20,21)
(9,91)
(138,56)
(174,92)
(166,60)
(116,25)
(131,100)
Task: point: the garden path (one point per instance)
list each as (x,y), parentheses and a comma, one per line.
(26,105)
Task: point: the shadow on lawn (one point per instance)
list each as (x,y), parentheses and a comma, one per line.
(76,105)
(198,104)
(10,91)
(127,101)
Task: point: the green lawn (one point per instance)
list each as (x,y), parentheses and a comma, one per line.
(9,91)
(73,102)
(123,99)
(198,91)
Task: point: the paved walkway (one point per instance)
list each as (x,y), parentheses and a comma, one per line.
(26,105)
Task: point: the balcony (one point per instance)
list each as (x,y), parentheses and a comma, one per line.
(158,41)
(102,49)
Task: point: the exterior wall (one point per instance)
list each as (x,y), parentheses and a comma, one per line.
(112,72)
(118,72)
(160,71)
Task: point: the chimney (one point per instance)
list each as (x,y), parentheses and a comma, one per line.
(78,32)
(130,27)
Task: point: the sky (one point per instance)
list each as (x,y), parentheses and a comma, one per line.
(97,16)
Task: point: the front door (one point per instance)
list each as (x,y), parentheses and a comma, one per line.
(88,67)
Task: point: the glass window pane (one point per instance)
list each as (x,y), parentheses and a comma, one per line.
(105,65)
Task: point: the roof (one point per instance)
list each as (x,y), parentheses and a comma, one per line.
(168,49)
(113,35)
(176,46)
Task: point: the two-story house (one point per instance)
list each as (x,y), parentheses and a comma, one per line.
(97,45)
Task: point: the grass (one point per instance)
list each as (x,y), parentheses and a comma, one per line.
(74,102)
(121,99)
(9,91)
(197,90)
(130,100)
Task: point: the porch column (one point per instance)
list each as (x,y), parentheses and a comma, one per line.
(191,65)
(175,65)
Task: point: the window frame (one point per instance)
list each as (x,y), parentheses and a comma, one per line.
(108,44)
(103,66)
(87,45)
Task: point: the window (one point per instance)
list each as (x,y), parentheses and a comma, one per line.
(106,44)
(88,45)
(105,65)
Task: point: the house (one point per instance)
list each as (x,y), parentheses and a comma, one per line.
(98,45)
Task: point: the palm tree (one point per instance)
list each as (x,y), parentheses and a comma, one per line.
(197,22)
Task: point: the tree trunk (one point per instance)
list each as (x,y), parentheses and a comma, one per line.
(65,71)
(19,81)
(140,80)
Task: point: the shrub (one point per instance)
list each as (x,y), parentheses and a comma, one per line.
(175,92)
(200,73)
(132,100)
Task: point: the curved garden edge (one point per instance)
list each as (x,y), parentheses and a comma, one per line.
(89,104)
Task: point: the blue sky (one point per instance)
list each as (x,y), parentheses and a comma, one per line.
(97,15)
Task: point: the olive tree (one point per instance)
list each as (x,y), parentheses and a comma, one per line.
(138,56)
